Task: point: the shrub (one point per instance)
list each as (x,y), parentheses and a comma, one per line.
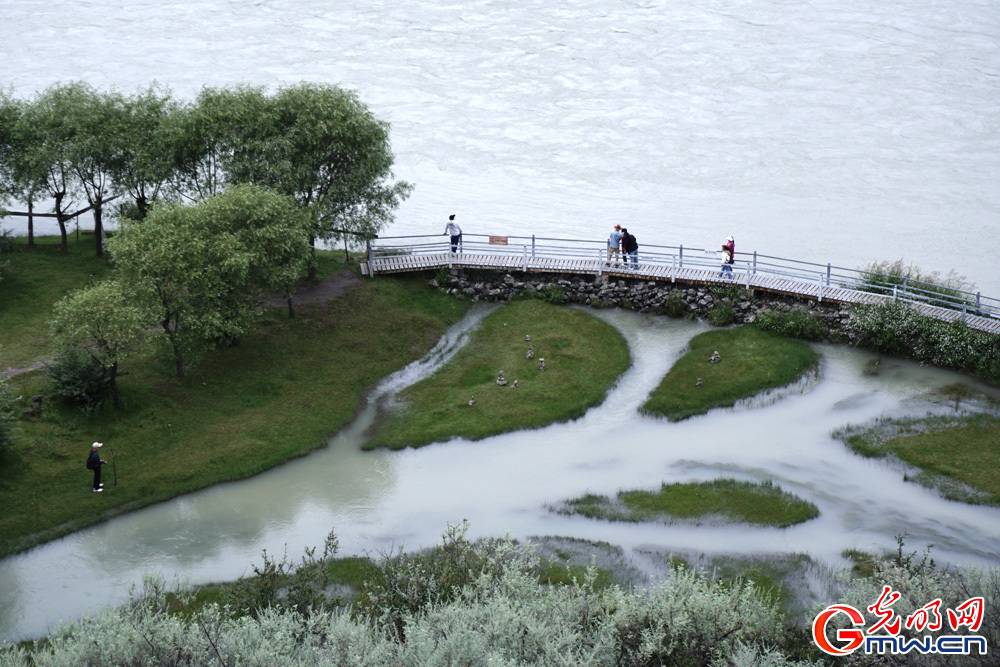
(882,277)
(675,306)
(721,315)
(443,276)
(795,323)
(282,584)
(80,379)
(553,293)
(895,328)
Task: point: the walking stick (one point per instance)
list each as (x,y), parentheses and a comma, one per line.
(114,468)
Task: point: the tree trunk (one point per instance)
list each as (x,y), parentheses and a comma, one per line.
(312,260)
(31,225)
(143,206)
(98,229)
(61,219)
(177,349)
(113,373)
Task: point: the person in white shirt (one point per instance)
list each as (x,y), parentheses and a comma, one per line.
(452,229)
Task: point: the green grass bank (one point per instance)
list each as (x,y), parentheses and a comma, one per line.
(959,456)
(583,358)
(758,503)
(242,410)
(751,361)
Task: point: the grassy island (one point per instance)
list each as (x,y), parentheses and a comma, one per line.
(956,455)
(583,358)
(732,501)
(750,361)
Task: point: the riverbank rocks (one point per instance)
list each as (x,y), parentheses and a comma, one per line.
(645,296)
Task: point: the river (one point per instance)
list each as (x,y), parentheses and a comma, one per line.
(841,132)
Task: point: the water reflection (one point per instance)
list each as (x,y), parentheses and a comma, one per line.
(377,500)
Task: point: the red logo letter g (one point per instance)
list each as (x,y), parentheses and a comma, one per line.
(854,638)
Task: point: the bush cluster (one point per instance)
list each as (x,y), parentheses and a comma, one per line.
(897,329)
(80,379)
(722,314)
(8,417)
(795,323)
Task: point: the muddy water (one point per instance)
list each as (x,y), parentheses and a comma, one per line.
(379,500)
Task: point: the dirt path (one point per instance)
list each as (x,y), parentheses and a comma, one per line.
(325,290)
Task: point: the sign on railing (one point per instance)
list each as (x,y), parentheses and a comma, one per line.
(498,240)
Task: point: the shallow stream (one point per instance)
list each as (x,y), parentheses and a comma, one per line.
(376,501)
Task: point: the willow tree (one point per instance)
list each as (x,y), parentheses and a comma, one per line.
(316,143)
(105,322)
(200,271)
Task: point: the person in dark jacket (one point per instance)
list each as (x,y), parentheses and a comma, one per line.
(630,247)
(94,462)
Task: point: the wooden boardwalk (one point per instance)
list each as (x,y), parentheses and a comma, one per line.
(397,260)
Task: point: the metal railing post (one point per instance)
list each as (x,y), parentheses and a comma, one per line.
(524,254)
(681,257)
(748,276)
(819,292)
(895,294)
(978,295)
(755,262)
(673,269)
(828,267)
(600,262)
(532,245)
(963,313)
(905,278)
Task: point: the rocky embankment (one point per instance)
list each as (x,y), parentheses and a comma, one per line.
(644,296)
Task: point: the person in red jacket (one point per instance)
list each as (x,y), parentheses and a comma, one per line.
(728,257)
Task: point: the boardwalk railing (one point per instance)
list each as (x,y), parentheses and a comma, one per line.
(808,280)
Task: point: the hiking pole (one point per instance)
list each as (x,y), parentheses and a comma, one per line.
(114,468)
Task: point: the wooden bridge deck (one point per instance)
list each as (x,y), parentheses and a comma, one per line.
(793,286)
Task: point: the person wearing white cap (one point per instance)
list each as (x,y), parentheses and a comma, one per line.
(94,462)
(728,257)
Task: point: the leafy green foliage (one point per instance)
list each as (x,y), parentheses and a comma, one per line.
(283,584)
(721,314)
(198,270)
(554,294)
(79,378)
(886,276)
(895,328)
(105,323)
(794,323)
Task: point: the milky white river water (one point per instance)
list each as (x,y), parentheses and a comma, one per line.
(841,131)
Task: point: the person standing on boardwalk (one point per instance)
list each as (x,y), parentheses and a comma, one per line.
(728,257)
(614,243)
(452,229)
(94,462)
(630,247)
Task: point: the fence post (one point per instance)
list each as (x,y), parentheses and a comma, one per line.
(600,262)
(905,278)
(819,292)
(978,294)
(895,295)
(673,270)
(532,245)
(524,254)
(828,275)
(755,262)
(963,313)
(748,276)
(368,252)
